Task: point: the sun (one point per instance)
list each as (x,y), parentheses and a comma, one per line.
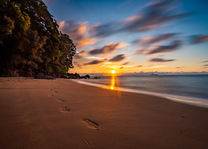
(113,71)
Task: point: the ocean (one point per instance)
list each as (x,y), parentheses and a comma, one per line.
(191,89)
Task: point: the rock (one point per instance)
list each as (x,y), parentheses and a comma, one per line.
(77,76)
(85,77)
(97,77)
(64,76)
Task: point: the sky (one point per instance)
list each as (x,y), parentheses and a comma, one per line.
(135,35)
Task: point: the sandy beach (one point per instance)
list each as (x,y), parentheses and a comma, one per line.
(62,114)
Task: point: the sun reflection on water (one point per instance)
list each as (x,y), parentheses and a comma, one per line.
(113,82)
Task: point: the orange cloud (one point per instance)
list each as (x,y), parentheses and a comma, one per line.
(80,54)
(108,49)
(78,32)
(132,19)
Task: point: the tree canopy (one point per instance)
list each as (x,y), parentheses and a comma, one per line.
(30,41)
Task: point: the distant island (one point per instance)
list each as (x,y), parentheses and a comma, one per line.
(30,42)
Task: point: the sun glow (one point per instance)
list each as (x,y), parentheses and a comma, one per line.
(113,71)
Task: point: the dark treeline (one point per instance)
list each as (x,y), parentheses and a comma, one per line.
(30,42)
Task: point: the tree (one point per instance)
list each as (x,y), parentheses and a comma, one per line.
(30,41)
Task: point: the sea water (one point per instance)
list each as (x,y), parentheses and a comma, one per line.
(183,88)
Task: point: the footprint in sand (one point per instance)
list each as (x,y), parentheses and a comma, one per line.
(53,90)
(54,93)
(90,145)
(65,109)
(91,124)
(60,99)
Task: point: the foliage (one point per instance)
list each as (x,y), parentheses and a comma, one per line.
(30,41)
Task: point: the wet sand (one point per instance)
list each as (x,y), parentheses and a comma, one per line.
(61,114)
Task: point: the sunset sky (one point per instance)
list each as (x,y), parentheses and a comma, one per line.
(135,35)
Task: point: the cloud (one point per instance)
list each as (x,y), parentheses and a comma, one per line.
(148,40)
(107,49)
(103,30)
(205,61)
(76,64)
(118,58)
(166,48)
(199,39)
(151,66)
(139,66)
(160,48)
(205,65)
(161,60)
(93,62)
(78,32)
(80,54)
(153,15)
(132,18)
(122,45)
(126,63)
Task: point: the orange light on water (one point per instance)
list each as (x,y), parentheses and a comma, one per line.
(113,82)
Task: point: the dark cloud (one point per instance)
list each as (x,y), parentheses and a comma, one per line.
(104,30)
(161,60)
(160,48)
(166,48)
(107,49)
(153,15)
(199,39)
(206,65)
(162,37)
(205,61)
(118,58)
(126,63)
(147,41)
(93,62)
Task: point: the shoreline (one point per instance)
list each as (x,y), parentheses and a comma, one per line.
(51,114)
(176,98)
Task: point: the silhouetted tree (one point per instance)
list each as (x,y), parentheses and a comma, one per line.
(30,41)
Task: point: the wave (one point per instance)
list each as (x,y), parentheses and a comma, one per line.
(181,99)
